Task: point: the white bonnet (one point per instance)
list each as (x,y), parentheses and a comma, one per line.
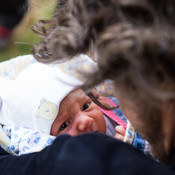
(32,99)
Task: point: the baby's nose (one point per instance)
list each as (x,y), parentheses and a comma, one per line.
(84,123)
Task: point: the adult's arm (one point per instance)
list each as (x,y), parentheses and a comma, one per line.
(88,154)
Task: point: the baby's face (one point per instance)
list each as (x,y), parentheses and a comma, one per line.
(78,114)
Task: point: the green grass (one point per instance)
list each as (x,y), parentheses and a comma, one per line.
(23,38)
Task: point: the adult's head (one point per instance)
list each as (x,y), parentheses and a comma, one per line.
(135,43)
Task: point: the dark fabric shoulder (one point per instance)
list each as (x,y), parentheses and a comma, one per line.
(2,152)
(172,163)
(86,154)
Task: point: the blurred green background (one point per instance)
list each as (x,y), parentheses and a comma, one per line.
(22,37)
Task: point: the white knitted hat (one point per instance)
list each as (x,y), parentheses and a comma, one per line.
(32,99)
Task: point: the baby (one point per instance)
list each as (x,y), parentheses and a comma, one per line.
(45,99)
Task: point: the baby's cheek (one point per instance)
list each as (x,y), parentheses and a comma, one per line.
(54,129)
(101,122)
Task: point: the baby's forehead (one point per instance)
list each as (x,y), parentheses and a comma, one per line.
(77,93)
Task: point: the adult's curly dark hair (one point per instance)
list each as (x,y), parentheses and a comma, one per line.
(134,40)
(135,44)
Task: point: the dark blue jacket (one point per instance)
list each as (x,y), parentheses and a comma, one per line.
(88,154)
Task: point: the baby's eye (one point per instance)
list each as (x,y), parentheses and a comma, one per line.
(85,106)
(64,125)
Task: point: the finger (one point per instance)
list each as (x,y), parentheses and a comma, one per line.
(120,130)
(119,137)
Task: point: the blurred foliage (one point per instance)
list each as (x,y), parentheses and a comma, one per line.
(23,38)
